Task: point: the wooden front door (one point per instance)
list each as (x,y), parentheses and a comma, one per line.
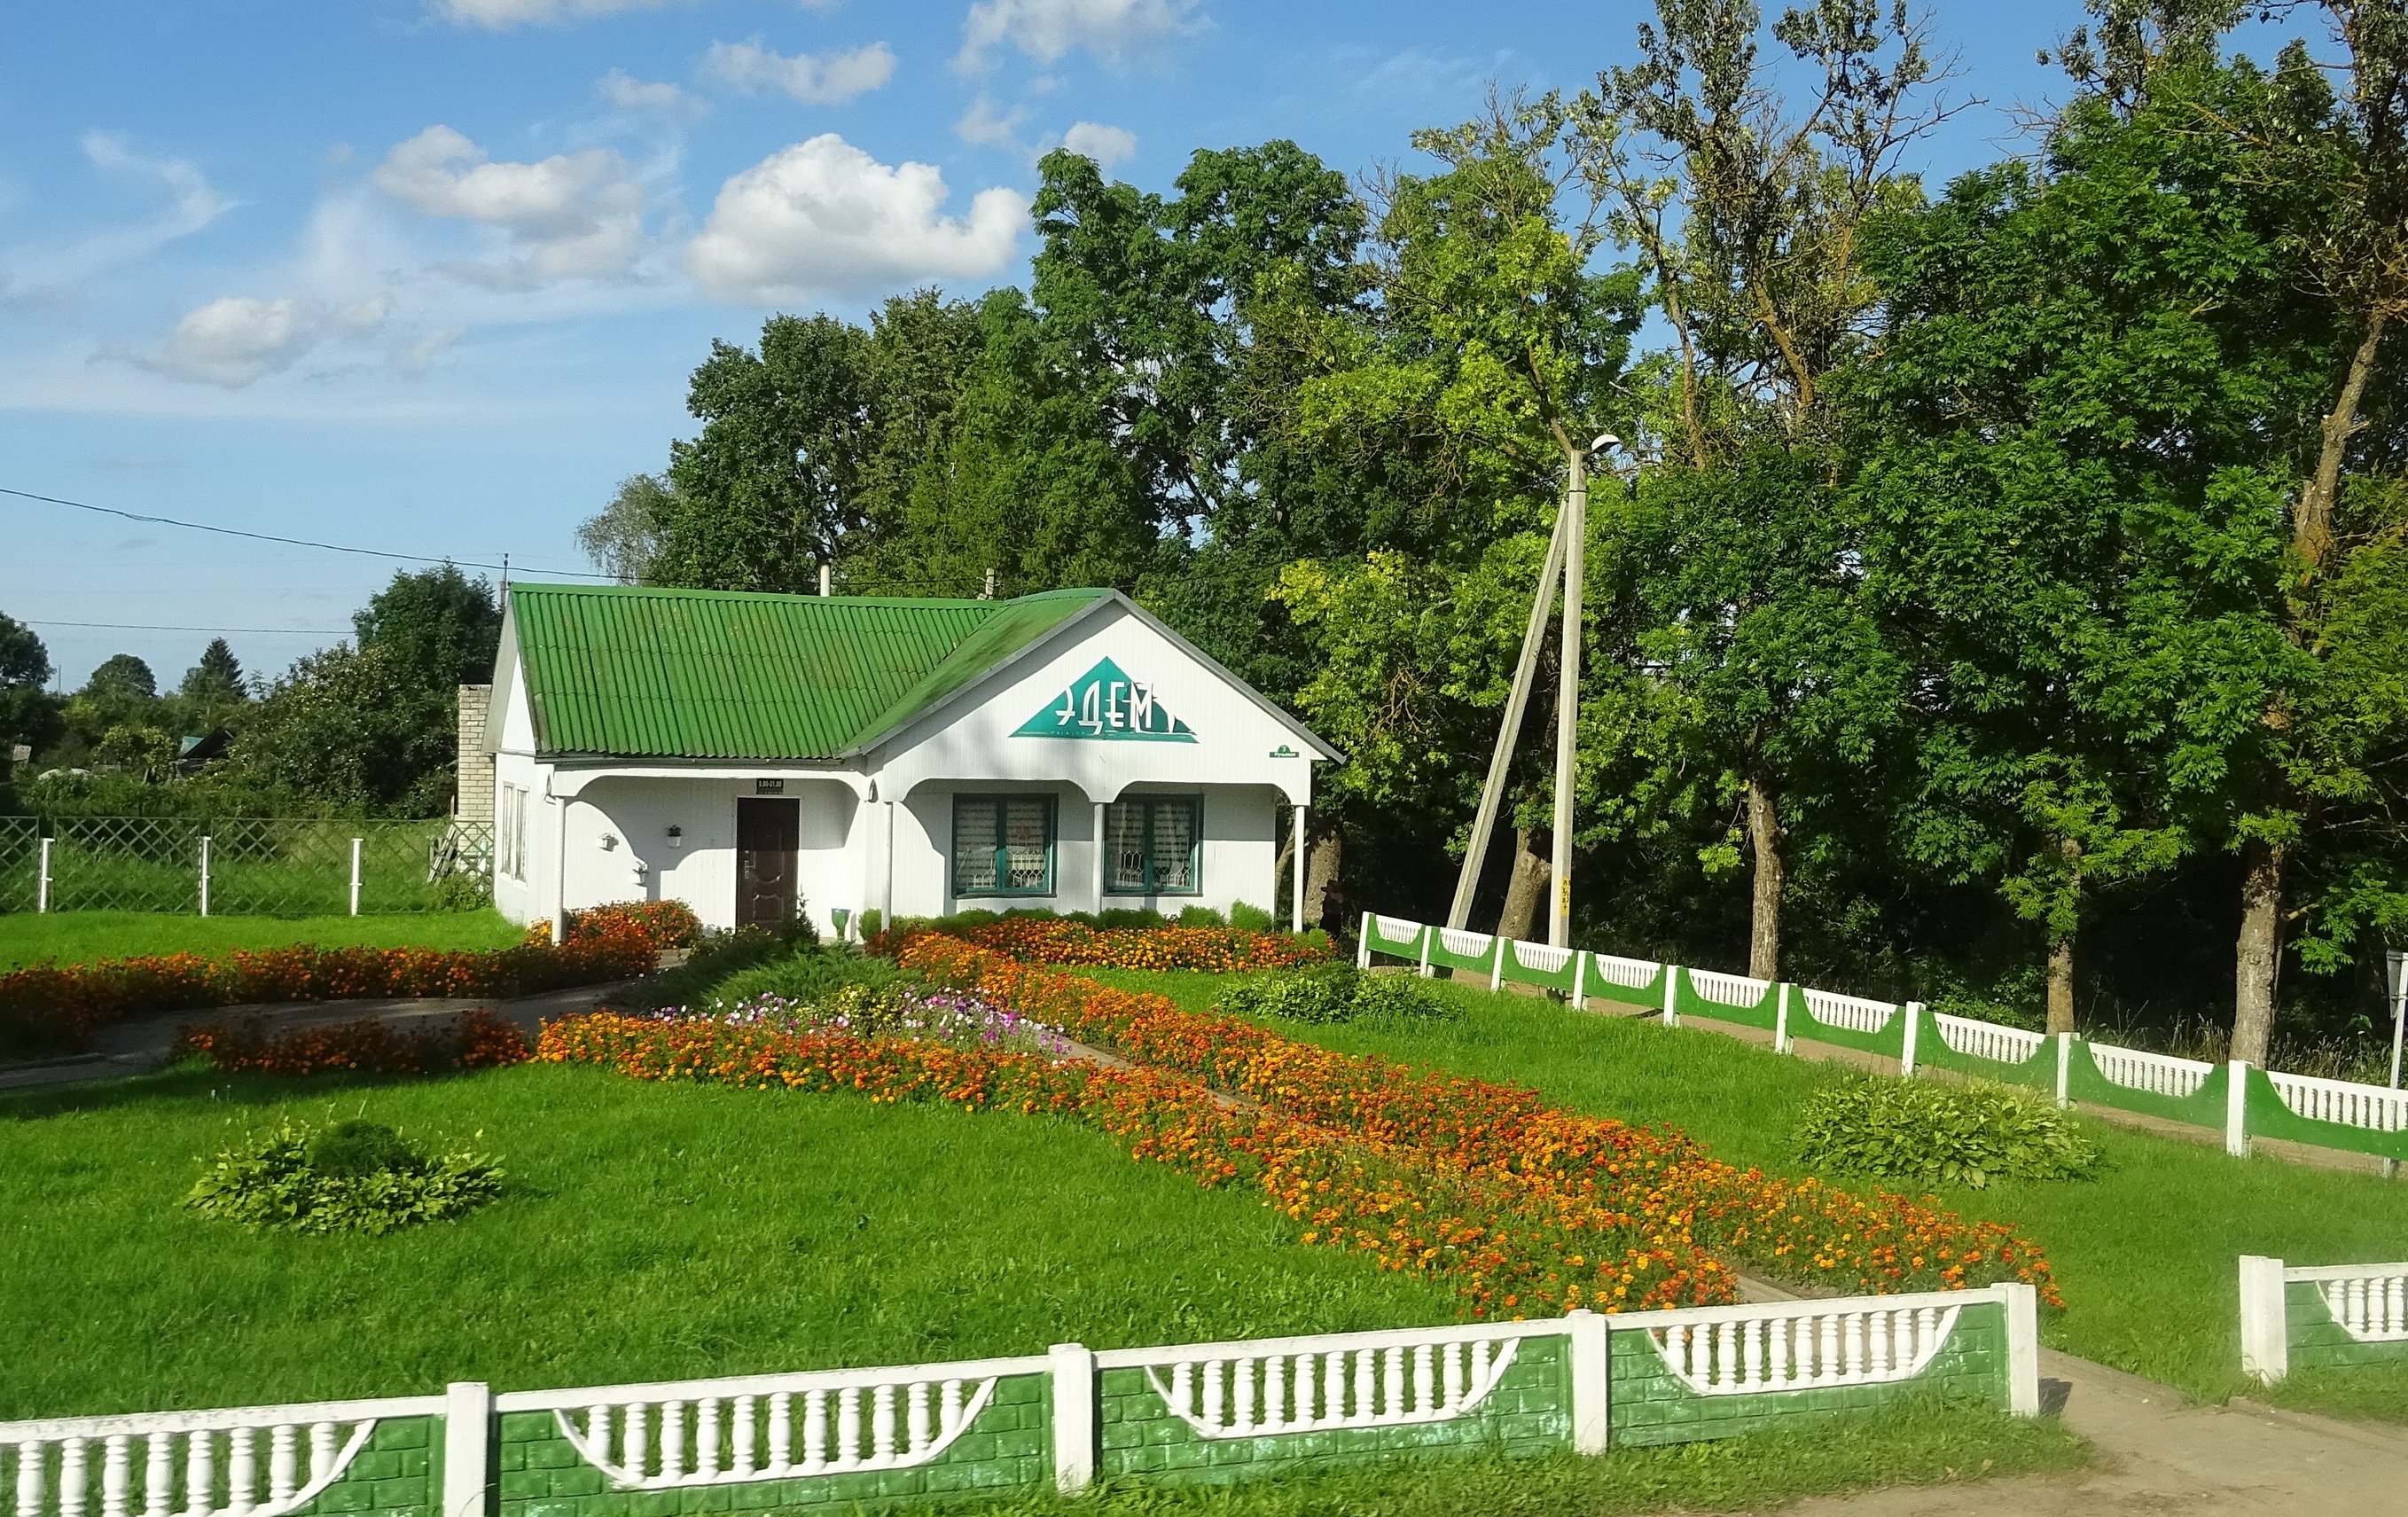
(766,833)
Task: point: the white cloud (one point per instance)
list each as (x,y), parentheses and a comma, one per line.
(628,93)
(501,15)
(1108,146)
(236,340)
(824,217)
(414,359)
(1114,31)
(985,126)
(570,216)
(60,271)
(831,81)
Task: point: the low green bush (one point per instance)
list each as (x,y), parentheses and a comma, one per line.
(1332,993)
(1201,916)
(353,1177)
(1247,917)
(716,958)
(809,975)
(1968,1133)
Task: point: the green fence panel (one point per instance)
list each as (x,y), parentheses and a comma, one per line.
(1658,1397)
(1452,947)
(1985,1056)
(2153,1084)
(1536,964)
(2379,1116)
(1632,982)
(1732,998)
(1143,1436)
(1396,938)
(20,862)
(2318,1339)
(1868,1027)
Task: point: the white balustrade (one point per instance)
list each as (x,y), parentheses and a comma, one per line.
(244,1462)
(2370,1107)
(1728,989)
(1540,959)
(2370,1302)
(1464,944)
(2160,1074)
(1268,1386)
(1853,1012)
(1395,930)
(1801,1347)
(1631,974)
(723,1431)
(1987,1039)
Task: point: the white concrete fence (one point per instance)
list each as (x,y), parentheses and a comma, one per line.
(2327,1316)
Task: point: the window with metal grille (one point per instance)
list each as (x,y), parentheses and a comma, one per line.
(1154,845)
(1003,845)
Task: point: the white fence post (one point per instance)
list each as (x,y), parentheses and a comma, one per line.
(356,877)
(2064,1070)
(1072,1369)
(1913,1012)
(1592,1382)
(1580,980)
(1363,942)
(2265,1327)
(2023,1347)
(1781,1020)
(1428,933)
(1497,965)
(467,1447)
(205,874)
(2236,1110)
(42,880)
(1671,995)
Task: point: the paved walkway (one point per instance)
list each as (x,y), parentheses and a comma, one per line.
(2161,1455)
(144,1044)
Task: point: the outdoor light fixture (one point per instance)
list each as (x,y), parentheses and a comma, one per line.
(677,835)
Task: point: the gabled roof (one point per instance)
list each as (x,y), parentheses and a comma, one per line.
(624,671)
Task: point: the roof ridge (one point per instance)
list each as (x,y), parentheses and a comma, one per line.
(800,597)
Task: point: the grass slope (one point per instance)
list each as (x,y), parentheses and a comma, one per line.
(82,936)
(2145,1253)
(650,1231)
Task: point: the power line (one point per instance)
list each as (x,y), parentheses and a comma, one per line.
(152,626)
(290,542)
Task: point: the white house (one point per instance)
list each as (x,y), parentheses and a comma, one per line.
(745,753)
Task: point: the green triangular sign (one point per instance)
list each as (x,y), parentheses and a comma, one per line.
(1106,705)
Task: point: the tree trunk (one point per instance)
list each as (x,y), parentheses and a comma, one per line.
(2260,957)
(1321,859)
(1525,889)
(2060,984)
(1764,926)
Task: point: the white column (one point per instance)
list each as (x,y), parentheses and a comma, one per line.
(2236,1110)
(1295,907)
(42,880)
(2023,1347)
(2265,1328)
(204,875)
(1913,1012)
(1591,1364)
(560,868)
(1099,855)
(1781,1021)
(886,889)
(356,877)
(2064,1070)
(468,1444)
(1072,1369)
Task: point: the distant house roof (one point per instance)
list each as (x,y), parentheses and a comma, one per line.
(624,671)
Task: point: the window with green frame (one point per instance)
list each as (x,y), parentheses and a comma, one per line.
(1003,845)
(1154,846)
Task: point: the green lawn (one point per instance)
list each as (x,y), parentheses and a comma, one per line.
(650,1231)
(2145,1253)
(82,936)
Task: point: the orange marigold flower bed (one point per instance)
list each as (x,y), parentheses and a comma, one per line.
(1055,940)
(1802,1229)
(477,1040)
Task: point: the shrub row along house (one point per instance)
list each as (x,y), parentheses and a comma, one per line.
(744,753)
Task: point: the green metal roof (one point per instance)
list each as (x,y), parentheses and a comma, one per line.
(628,671)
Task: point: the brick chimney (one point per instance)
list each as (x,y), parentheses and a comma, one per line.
(473,766)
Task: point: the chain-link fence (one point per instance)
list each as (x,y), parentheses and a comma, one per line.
(244,865)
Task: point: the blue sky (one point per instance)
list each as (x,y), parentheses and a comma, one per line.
(428,276)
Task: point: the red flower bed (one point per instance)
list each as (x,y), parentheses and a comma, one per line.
(51,1009)
(1054,940)
(667,923)
(1799,1228)
(477,1040)
(1513,1248)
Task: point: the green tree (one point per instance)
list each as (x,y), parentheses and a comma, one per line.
(122,677)
(437,629)
(623,537)
(218,675)
(29,713)
(356,730)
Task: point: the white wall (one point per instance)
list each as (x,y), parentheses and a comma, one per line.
(634,813)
